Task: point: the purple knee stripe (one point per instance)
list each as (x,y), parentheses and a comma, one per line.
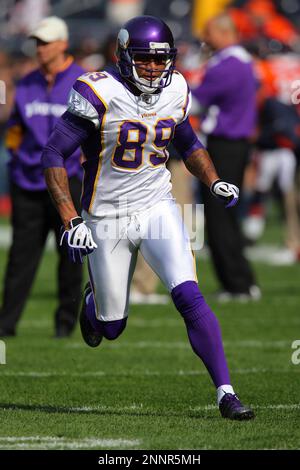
(113,329)
(189,301)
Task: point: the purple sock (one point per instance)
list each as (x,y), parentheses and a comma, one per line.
(113,329)
(203,330)
(109,329)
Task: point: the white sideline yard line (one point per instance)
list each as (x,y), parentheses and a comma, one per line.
(280,406)
(140,407)
(133,407)
(6,237)
(253,344)
(144,373)
(50,442)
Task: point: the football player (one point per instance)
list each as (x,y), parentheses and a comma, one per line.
(124,121)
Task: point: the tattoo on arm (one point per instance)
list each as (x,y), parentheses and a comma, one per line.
(200,165)
(58,187)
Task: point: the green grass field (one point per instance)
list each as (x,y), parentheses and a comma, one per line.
(147,390)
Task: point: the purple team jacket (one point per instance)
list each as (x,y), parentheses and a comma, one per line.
(227,94)
(33,118)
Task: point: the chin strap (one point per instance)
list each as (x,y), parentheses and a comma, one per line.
(142,83)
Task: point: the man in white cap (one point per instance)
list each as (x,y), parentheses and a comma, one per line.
(51,36)
(41,98)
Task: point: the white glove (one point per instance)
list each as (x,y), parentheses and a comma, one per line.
(78,239)
(226,192)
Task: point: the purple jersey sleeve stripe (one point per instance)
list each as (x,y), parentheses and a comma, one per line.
(89,92)
(187,99)
(185,139)
(197,145)
(92,169)
(69,133)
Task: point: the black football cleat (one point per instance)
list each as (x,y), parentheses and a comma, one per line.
(230,407)
(91,337)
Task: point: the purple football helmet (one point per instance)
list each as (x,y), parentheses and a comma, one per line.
(143,36)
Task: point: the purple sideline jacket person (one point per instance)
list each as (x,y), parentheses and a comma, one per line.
(124,122)
(227,96)
(41,98)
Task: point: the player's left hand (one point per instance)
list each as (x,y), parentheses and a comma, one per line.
(78,240)
(226,192)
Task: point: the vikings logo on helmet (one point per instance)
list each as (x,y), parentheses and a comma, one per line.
(123,38)
(146,35)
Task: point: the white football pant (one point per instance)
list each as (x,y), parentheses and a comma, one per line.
(160,235)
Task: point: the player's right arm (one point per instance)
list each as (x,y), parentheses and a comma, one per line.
(58,187)
(83,117)
(69,133)
(194,155)
(85,111)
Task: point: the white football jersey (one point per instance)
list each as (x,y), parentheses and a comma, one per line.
(125,168)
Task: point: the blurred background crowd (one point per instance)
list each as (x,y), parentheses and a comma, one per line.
(269,30)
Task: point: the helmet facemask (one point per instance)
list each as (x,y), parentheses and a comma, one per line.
(156,78)
(131,57)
